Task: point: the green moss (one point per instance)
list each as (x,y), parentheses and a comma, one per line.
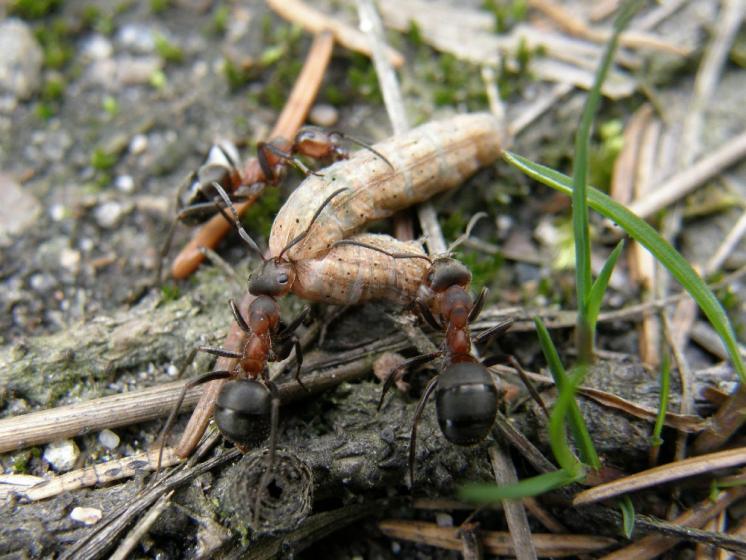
(101,160)
(110,105)
(454,225)
(455,82)
(170,52)
(506,13)
(362,77)
(219,20)
(170,292)
(33,9)
(603,155)
(258,219)
(56,43)
(158,80)
(159,6)
(515,74)
(94,18)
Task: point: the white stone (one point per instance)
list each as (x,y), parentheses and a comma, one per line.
(324,115)
(86,515)
(62,455)
(138,144)
(21,59)
(70,259)
(97,47)
(108,214)
(108,439)
(125,183)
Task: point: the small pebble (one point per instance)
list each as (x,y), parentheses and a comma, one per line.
(443,520)
(108,214)
(57,212)
(125,183)
(86,515)
(62,455)
(19,210)
(323,115)
(21,59)
(138,144)
(97,47)
(42,282)
(70,259)
(172,370)
(108,439)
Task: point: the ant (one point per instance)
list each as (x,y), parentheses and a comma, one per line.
(197,198)
(465,393)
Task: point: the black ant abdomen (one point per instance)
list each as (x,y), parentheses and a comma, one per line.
(243,412)
(466,403)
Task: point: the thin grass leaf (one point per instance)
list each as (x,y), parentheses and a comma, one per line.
(578,426)
(665,383)
(642,232)
(628,516)
(534,486)
(598,289)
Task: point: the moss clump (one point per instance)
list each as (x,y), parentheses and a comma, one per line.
(258,219)
(170,52)
(33,9)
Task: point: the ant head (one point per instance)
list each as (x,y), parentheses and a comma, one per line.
(275,279)
(466,402)
(446,272)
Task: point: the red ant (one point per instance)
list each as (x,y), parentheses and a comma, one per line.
(198,199)
(465,394)
(246,409)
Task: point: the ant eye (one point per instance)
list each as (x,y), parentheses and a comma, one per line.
(282,278)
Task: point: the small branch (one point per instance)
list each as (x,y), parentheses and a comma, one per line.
(143,526)
(681,184)
(314,21)
(370,22)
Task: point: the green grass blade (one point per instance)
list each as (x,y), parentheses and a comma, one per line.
(598,289)
(642,232)
(579,429)
(628,516)
(534,486)
(585,328)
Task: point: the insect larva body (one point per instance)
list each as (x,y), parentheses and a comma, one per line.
(350,274)
(427,160)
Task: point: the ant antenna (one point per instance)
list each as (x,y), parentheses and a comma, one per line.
(362,145)
(385,252)
(298,238)
(235,221)
(464,236)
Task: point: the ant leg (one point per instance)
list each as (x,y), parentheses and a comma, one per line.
(478,306)
(295,323)
(412,362)
(509,359)
(274,423)
(204,378)
(290,159)
(428,316)
(299,361)
(501,328)
(344,155)
(221,352)
(240,321)
(236,220)
(170,235)
(413,437)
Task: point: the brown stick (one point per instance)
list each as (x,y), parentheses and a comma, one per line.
(290,120)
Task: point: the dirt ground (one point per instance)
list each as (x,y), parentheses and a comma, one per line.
(116,102)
